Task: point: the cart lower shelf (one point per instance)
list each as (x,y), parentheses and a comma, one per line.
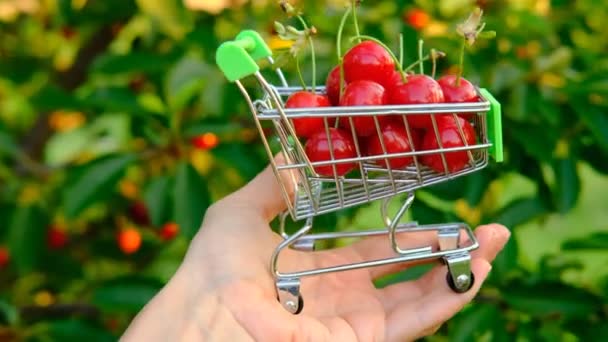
(454,243)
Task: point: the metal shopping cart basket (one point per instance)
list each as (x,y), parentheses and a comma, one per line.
(309,194)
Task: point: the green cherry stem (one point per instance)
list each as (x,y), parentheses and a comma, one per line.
(419,61)
(461,63)
(354,6)
(299,72)
(399,67)
(401,50)
(339,48)
(420,45)
(312,53)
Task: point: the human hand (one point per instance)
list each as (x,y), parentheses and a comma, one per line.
(224,290)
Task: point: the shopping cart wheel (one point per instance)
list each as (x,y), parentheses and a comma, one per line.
(459,276)
(288,294)
(465,285)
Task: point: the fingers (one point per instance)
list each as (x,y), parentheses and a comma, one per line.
(492,239)
(264,193)
(412,320)
(435,302)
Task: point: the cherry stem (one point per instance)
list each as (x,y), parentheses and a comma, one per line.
(300,74)
(401,49)
(312,53)
(339,48)
(354,6)
(399,67)
(419,61)
(420,44)
(461,63)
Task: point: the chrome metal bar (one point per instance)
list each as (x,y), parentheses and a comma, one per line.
(386,261)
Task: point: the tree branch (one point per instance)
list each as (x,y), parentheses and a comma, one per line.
(35,313)
(33,142)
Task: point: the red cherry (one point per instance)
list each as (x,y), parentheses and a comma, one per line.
(417,18)
(368,61)
(394,80)
(342,146)
(205,141)
(452,93)
(332,86)
(307,126)
(56,238)
(363,93)
(395,140)
(169,231)
(5,257)
(417,134)
(129,240)
(449,135)
(419,89)
(68,32)
(139,213)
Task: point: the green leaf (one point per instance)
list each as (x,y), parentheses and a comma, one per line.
(505,75)
(505,265)
(133,62)
(475,322)
(190,199)
(107,134)
(596,157)
(424,213)
(51,98)
(242,157)
(588,331)
(567,184)
(520,211)
(8,313)
(7,144)
(93,182)
(184,81)
(449,191)
(64,147)
(27,231)
(125,294)
(476,186)
(220,128)
(537,143)
(596,120)
(596,241)
(114,99)
(157,198)
(546,299)
(171,16)
(77,330)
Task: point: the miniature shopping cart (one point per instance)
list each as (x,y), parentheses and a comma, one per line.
(308,194)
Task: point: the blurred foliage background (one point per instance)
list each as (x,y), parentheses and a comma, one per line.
(117,131)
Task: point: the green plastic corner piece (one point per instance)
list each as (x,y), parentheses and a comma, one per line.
(237,59)
(494,126)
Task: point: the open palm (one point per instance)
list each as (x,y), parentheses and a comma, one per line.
(230,259)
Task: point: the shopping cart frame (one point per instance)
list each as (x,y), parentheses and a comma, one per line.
(308,194)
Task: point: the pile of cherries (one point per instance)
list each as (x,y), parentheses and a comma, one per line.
(371,78)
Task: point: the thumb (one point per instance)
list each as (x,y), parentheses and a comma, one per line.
(269,191)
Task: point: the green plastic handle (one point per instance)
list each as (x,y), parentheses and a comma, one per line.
(494,126)
(237,59)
